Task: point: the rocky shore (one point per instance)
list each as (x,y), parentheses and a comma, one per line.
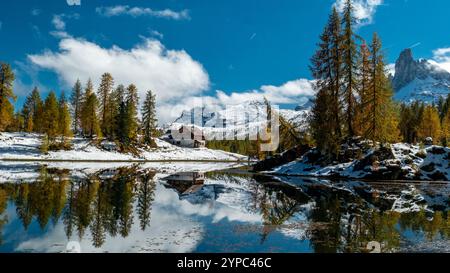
(362,159)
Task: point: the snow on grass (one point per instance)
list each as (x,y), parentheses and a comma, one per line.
(19,145)
(23,146)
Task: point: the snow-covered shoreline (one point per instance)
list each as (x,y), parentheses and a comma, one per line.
(25,147)
(399,162)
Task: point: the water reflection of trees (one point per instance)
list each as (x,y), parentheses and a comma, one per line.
(101,204)
(276,202)
(432,225)
(279,202)
(351,228)
(346,221)
(104,204)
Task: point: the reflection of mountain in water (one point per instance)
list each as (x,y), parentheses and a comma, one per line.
(191,186)
(330,216)
(333,216)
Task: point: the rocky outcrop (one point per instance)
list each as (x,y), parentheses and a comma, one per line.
(380,162)
(374,158)
(281,159)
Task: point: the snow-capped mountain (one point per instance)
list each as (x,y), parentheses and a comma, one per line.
(239,118)
(419,80)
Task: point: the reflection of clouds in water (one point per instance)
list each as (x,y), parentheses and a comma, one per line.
(169,200)
(297,226)
(10,230)
(173,228)
(171,234)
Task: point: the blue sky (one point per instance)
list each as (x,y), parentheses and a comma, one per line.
(217,51)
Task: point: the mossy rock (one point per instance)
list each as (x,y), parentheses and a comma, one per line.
(421,154)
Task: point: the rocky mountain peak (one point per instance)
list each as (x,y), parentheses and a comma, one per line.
(405,69)
(419,80)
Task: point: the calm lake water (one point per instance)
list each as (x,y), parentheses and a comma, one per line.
(129,209)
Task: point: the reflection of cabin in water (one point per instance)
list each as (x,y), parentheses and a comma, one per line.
(188,136)
(186,183)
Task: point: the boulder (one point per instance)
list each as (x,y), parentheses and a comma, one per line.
(421,154)
(437,150)
(281,159)
(379,155)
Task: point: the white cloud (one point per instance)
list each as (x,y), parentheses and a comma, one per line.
(172,74)
(390,68)
(58,22)
(441,57)
(139,11)
(364,10)
(176,78)
(73,2)
(157,34)
(441,53)
(288,93)
(291,92)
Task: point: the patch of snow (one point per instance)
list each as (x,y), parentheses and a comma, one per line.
(427,90)
(23,146)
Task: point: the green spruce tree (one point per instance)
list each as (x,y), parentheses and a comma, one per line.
(350,68)
(115,100)
(64,119)
(364,74)
(326,69)
(89,117)
(149,120)
(104,96)
(76,101)
(51,116)
(132,125)
(33,111)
